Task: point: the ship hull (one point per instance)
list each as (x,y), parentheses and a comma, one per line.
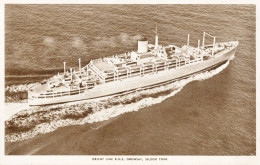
(138,83)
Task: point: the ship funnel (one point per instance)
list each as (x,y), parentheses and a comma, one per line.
(142,45)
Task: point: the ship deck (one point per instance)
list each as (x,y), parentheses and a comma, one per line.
(43,88)
(103,65)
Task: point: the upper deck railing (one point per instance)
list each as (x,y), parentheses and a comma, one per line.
(60,94)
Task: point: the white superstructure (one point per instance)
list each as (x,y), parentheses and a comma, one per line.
(149,66)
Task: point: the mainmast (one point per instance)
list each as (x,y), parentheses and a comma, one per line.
(64,67)
(156,39)
(188,40)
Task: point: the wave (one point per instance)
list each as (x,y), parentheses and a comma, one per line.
(19,88)
(41,120)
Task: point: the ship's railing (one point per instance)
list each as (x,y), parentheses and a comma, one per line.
(149,69)
(226,47)
(230,46)
(59,94)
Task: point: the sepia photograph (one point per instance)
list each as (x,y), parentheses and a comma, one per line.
(130,80)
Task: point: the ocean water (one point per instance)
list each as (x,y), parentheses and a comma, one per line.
(213,116)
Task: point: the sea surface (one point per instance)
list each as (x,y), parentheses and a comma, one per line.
(211,114)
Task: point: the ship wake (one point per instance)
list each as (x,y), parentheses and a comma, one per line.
(40,120)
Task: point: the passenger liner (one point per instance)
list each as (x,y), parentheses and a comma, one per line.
(150,66)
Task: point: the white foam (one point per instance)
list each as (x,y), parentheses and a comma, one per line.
(12,108)
(101,113)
